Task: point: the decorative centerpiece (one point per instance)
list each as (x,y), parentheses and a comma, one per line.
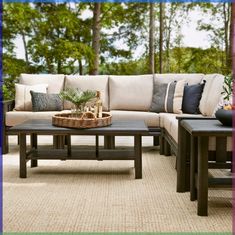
(225,113)
(78,98)
(82,115)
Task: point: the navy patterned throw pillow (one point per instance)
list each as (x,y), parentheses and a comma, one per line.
(46,102)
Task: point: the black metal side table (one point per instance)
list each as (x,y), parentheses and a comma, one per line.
(194,139)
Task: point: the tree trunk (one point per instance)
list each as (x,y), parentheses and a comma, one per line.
(226,30)
(80,67)
(59,67)
(151,38)
(96,38)
(230,39)
(161,38)
(168,31)
(49,65)
(25,49)
(233,45)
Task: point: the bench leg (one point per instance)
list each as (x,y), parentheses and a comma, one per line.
(58,141)
(183,154)
(193,168)
(138,156)
(23,169)
(34,144)
(109,142)
(202,205)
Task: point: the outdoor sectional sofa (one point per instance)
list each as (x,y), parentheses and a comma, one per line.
(126,98)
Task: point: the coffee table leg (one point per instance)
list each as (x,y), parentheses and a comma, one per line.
(23,170)
(138,157)
(202,206)
(34,144)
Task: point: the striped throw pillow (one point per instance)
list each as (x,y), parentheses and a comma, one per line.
(168,97)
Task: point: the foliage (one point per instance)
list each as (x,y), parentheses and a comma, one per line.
(228,87)
(182,60)
(77,97)
(57,38)
(218,28)
(12,68)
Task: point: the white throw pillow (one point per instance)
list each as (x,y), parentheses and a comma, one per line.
(23,98)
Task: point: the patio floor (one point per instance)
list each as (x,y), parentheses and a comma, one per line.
(92,196)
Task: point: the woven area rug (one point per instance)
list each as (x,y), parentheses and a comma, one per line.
(91,196)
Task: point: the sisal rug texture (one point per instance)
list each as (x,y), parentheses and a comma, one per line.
(92,196)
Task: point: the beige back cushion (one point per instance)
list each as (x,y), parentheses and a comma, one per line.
(193,78)
(23,97)
(131,92)
(91,82)
(211,94)
(55,81)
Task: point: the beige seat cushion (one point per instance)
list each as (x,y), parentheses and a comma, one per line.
(96,83)
(16,117)
(131,92)
(55,81)
(151,119)
(211,94)
(23,100)
(192,78)
(166,119)
(171,125)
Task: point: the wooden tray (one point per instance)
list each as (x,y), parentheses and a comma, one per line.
(87,120)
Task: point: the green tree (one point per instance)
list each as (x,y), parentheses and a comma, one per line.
(57,44)
(151,38)
(220,30)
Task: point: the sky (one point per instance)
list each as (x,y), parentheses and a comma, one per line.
(192,37)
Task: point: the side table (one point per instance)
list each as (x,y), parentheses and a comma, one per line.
(194,136)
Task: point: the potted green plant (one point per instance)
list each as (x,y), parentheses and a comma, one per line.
(78,98)
(227,92)
(225,114)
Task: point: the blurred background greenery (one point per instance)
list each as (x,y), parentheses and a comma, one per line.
(113,38)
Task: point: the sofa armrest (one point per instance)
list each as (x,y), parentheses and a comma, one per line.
(8,105)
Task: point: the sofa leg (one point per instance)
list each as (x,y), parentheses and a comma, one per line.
(5,144)
(161,140)
(155,140)
(167,148)
(109,142)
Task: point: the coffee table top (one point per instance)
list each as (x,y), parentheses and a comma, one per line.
(206,127)
(41,126)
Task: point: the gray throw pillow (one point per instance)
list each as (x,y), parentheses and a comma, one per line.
(167,97)
(46,102)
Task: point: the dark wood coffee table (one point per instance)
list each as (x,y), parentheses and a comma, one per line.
(44,127)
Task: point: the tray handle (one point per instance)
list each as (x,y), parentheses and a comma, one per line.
(88,115)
